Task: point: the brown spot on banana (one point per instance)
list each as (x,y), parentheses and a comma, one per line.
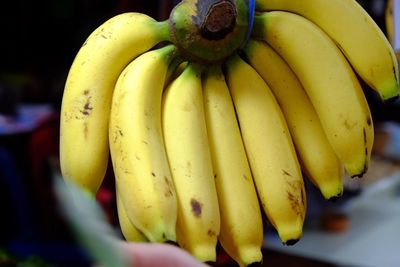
(292,199)
(285,173)
(211,233)
(196,207)
(366,163)
(349,125)
(117,133)
(85,130)
(296,197)
(83,105)
(303,199)
(365,141)
(67,116)
(169,192)
(87,108)
(294,203)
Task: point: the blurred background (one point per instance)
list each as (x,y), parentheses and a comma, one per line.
(38,44)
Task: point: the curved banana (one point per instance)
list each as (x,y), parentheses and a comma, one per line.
(357,35)
(318,160)
(143,177)
(187,146)
(241,232)
(329,81)
(270,150)
(129,231)
(88,91)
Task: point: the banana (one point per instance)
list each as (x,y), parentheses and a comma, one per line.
(389,21)
(129,231)
(390,25)
(241,233)
(270,150)
(175,70)
(187,147)
(357,35)
(88,91)
(318,160)
(143,176)
(329,81)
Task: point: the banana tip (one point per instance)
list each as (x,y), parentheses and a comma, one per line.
(291,242)
(334,199)
(391,99)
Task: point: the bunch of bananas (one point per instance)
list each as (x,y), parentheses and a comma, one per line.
(208,128)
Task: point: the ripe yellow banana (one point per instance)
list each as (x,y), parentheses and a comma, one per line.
(241,232)
(88,91)
(329,81)
(357,35)
(317,158)
(270,150)
(390,25)
(129,231)
(389,22)
(143,176)
(187,146)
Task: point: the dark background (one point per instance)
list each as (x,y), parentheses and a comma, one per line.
(39,39)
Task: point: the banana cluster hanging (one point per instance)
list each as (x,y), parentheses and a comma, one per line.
(219,114)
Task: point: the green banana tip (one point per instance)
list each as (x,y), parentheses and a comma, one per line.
(391,99)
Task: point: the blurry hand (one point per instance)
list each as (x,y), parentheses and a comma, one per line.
(155,255)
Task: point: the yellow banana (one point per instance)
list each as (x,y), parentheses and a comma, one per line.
(357,35)
(187,146)
(88,91)
(317,158)
(389,22)
(329,81)
(270,150)
(390,25)
(143,176)
(129,231)
(241,232)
